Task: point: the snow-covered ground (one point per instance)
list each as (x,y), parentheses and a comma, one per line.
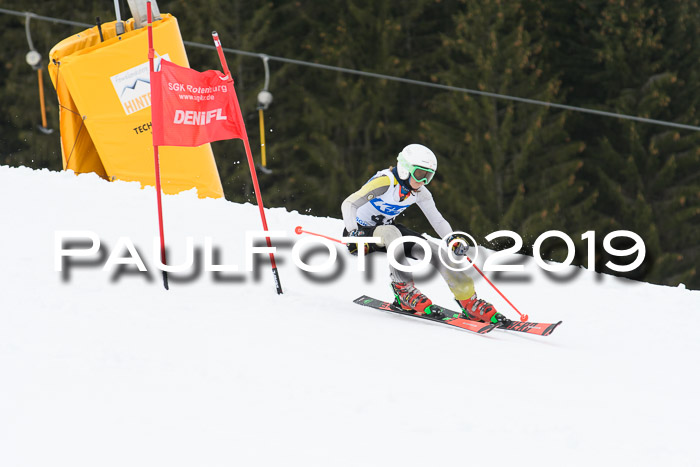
(105,370)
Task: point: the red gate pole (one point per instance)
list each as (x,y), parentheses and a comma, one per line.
(151,55)
(251,165)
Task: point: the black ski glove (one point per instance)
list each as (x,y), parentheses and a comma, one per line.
(461,245)
(352,247)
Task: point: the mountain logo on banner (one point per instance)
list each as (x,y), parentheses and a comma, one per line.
(133,86)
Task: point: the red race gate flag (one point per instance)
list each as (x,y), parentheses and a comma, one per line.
(190,108)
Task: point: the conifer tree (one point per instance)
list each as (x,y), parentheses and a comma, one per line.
(511,165)
(332,131)
(648,176)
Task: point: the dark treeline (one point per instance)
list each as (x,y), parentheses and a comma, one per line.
(503,165)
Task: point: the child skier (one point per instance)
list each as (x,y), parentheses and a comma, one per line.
(370,212)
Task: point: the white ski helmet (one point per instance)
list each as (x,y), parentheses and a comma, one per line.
(417,161)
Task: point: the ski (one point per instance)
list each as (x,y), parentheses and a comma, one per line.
(467,325)
(529,327)
(540,329)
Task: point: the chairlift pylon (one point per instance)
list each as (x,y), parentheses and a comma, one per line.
(264,101)
(33,58)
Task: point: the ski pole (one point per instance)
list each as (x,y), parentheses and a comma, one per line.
(522,316)
(298,230)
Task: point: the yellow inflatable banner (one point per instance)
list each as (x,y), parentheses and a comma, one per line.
(104,91)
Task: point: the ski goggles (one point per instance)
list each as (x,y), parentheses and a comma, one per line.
(422,175)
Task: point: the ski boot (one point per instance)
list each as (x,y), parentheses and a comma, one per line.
(409,298)
(475,309)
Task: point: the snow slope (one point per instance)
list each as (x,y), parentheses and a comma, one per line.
(98,370)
